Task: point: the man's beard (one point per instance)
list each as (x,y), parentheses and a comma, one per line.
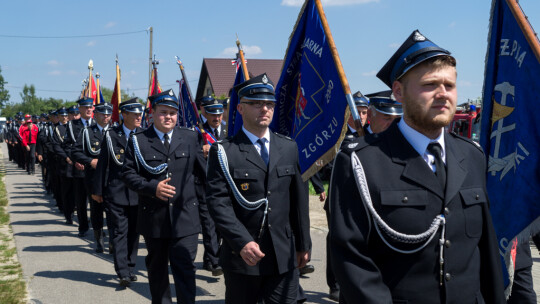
(413,112)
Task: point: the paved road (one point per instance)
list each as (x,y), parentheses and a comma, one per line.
(63,268)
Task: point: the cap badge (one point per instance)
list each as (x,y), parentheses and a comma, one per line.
(265,79)
(121,150)
(419,37)
(117,156)
(352,146)
(245,186)
(171,93)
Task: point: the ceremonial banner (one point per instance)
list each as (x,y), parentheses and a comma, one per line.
(116,98)
(91,90)
(510,133)
(188,114)
(155,88)
(235,119)
(311,100)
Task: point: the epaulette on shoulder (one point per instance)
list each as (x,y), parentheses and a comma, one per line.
(140,131)
(356,144)
(467,140)
(283,136)
(186,128)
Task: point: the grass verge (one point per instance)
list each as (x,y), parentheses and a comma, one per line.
(12,284)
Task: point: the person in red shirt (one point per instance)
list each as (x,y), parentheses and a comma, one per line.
(29,133)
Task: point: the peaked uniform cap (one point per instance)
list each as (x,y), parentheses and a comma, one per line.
(165,98)
(416,49)
(257,88)
(86,102)
(131,105)
(104,108)
(360,100)
(385,103)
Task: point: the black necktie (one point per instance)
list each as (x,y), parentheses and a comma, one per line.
(216,133)
(440,170)
(166,142)
(264,151)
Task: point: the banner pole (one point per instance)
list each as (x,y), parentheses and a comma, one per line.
(525,26)
(339,67)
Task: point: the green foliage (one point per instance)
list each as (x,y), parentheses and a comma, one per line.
(31,104)
(107,94)
(4,93)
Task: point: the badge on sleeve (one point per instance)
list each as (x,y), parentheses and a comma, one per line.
(245,186)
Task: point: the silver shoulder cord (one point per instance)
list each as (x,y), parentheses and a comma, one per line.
(111,150)
(58,133)
(140,159)
(243,202)
(71,131)
(425,236)
(86,140)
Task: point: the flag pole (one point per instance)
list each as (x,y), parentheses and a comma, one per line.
(118,94)
(242,61)
(525,26)
(90,68)
(98,98)
(181,66)
(339,67)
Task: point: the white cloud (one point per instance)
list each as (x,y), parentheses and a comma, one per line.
(394,45)
(327,2)
(55,73)
(91,43)
(53,62)
(110,24)
(249,50)
(370,73)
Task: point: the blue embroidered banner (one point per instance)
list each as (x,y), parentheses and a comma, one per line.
(510,133)
(188,116)
(311,102)
(235,119)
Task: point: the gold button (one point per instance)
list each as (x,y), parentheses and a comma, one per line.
(477,197)
(405,199)
(448,276)
(447,244)
(446,211)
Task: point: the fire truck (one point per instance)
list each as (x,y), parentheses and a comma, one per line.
(466,121)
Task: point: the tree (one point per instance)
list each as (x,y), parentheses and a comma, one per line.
(107,94)
(4,93)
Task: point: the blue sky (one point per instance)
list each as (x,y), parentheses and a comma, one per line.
(366,32)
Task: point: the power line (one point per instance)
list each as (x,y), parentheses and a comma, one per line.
(72,36)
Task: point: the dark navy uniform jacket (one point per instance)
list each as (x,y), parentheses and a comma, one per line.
(180,215)
(73,131)
(287,228)
(407,195)
(107,177)
(58,138)
(85,149)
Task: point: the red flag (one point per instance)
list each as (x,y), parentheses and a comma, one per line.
(155,88)
(116,96)
(91,90)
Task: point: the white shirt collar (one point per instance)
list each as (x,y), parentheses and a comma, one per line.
(353,130)
(126,130)
(420,142)
(86,122)
(101,129)
(160,134)
(254,138)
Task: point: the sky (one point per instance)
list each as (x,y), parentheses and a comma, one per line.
(366,33)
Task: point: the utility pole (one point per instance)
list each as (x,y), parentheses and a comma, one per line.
(150,59)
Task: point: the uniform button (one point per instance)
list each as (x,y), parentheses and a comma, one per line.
(477,197)
(269,209)
(268,193)
(446,211)
(170,204)
(183,154)
(246,174)
(447,243)
(169,159)
(287,170)
(269,226)
(405,199)
(448,276)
